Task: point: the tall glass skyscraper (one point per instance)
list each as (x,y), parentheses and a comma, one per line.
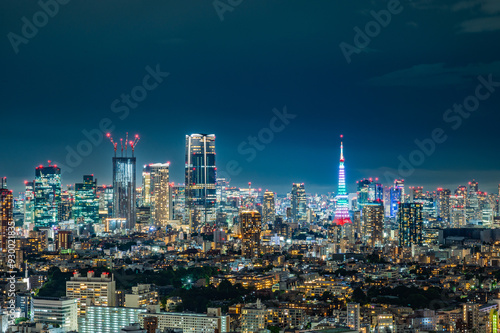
(124,195)
(299,203)
(47,193)
(200,172)
(86,206)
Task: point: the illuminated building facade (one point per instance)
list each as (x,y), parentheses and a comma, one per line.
(86,206)
(410,222)
(250,224)
(6,216)
(156,192)
(47,194)
(200,179)
(124,192)
(342,208)
(268,208)
(298,203)
(443,204)
(108,319)
(90,290)
(373,222)
(353,318)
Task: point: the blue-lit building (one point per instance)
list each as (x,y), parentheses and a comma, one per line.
(47,195)
(200,179)
(86,206)
(124,190)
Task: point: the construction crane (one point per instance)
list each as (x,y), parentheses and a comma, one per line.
(124,144)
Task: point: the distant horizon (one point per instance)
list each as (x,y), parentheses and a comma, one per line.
(277,83)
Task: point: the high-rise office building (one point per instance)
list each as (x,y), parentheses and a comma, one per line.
(342,207)
(473,186)
(396,196)
(443,204)
(86,205)
(298,203)
(373,222)
(65,206)
(200,178)
(64,239)
(268,208)
(353,321)
(416,193)
(6,216)
(156,192)
(410,224)
(47,194)
(29,206)
(250,226)
(124,195)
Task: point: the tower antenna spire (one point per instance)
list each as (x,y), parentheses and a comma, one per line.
(342,208)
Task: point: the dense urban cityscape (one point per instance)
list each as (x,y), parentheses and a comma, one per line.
(150,256)
(249,166)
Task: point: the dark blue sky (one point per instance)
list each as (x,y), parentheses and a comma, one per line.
(227,76)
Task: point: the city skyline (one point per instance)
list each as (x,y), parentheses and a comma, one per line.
(397,90)
(281,189)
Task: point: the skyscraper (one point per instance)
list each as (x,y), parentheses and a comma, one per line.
(373,222)
(156,191)
(47,193)
(443,204)
(86,206)
(250,224)
(416,193)
(396,196)
(29,206)
(410,224)
(268,208)
(298,202)
(6,216)
(342,207)
(124,195)
(200,178)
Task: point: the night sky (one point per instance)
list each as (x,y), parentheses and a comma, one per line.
(226,77)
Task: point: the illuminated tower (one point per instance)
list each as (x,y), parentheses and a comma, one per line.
(342,209)
(200,180)
(299,203)
(124,178)
(47,194)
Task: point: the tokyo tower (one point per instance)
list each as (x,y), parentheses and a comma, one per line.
(342,208)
